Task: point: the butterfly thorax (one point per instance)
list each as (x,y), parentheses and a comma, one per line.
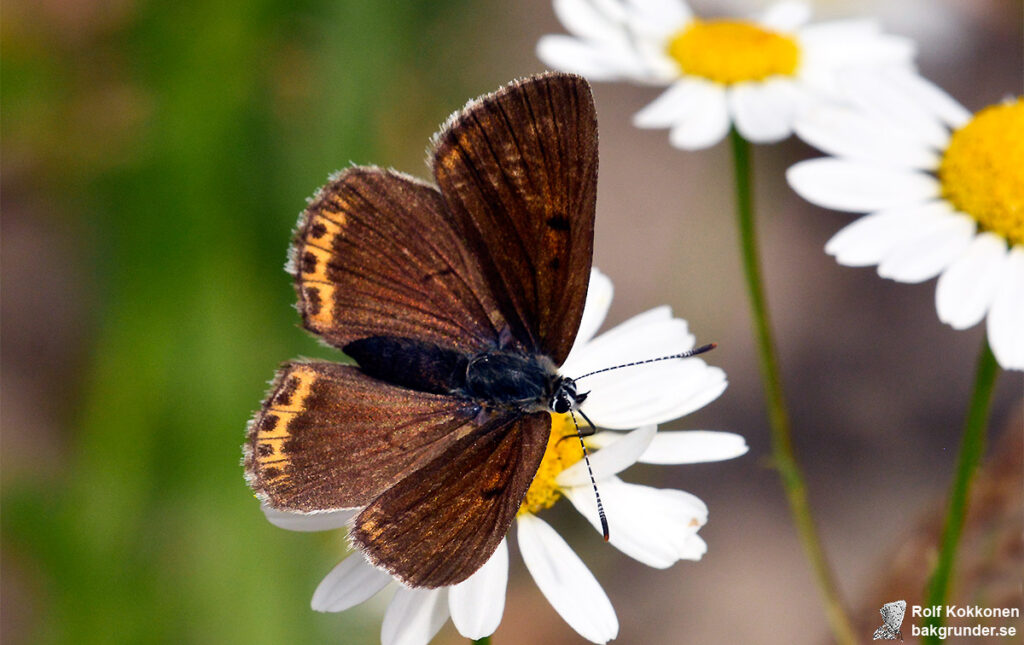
(505,378)
(494,379)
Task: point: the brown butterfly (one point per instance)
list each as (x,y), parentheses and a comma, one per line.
(458,302)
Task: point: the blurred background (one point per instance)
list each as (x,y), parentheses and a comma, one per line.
(155,157)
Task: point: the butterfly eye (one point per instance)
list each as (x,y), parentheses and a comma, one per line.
(562,403)
(565,398)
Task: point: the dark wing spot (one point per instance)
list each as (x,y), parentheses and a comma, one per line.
(308,262)
(284,395)
(272,473)
(265,449)
(558,223)
(313,301)
(269,422)
(317,230)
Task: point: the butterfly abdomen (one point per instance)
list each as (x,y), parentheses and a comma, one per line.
(410,363)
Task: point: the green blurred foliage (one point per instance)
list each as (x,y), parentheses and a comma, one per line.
(179,140)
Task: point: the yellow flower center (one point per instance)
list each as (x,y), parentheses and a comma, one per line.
(982,170)
(730,51)
(563,451)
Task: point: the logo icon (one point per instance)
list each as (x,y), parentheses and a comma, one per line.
(892,618)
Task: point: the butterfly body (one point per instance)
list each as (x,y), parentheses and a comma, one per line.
(492,380)
(457,301)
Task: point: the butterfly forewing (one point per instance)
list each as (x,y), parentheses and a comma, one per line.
(440,526)
(518,168)
(377,254)
(329,437)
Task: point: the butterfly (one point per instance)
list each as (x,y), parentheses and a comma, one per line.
(457,302)
(892,619)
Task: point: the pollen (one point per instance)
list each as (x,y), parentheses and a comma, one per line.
(982,170)
(731,51)
(563,451)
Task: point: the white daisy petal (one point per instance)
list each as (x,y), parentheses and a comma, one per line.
(1006,317)
(478,602)
(654,393)
(693,548)
(786,16)
(848,133)
(712,382)
(672,13)
(350,583)
(874,95)
(706,123)
(611,460)
(596,63)
(929,95)
(852,44)
(671,106)
(854,186)
(651,525)
(595,309)
(584,19)
(649,335)
(870,239)
(307,521)
(929,251)
(565,581)
(693,447)
(414,616)
(681,446)
(966,288)
(649,317)
(763,111)
(829,33)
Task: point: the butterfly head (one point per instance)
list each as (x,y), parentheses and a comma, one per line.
(566,397)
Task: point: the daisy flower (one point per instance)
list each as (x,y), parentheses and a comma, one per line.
(944,193)
(756,74)
(656,526)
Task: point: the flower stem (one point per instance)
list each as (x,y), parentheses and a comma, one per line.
(486,640)
(972,446)
(782,443)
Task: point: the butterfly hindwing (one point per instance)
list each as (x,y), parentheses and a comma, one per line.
(884,633)
(439,526)
(518,168)
(329,437)
(377,254)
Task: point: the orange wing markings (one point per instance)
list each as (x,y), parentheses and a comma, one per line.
(271,426)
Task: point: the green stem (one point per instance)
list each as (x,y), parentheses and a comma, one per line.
(782,443)
(972,446)
(486,640)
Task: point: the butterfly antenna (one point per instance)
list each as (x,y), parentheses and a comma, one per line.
(692,352)
(590,471)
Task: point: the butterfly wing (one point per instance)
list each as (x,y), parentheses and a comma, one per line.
(377,254)
(329,437)
(518,168)
(440,526)
(883,633)
(892,614)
